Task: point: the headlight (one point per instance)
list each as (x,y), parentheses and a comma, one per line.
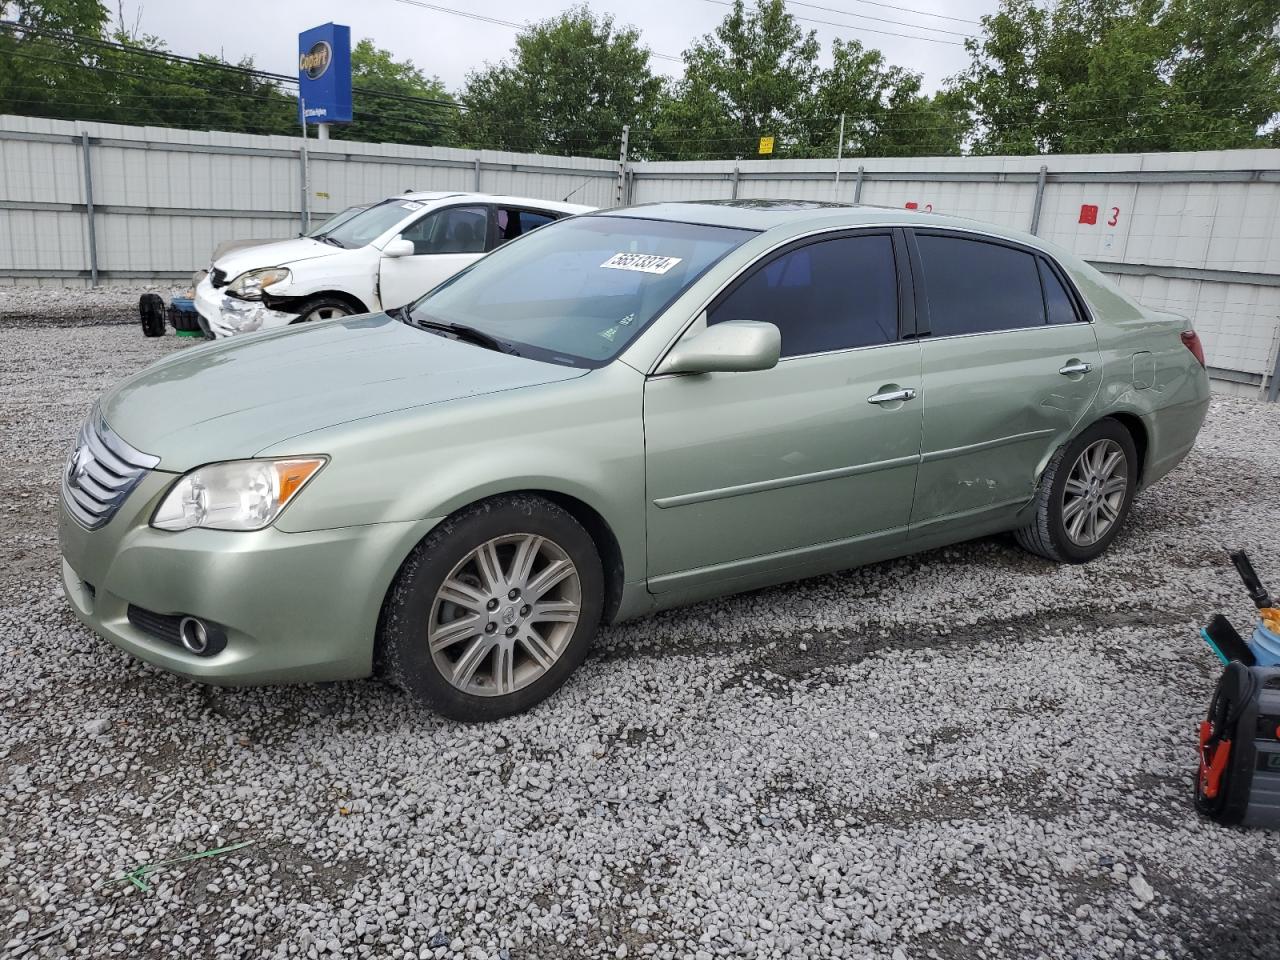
(250,285)
(238,495)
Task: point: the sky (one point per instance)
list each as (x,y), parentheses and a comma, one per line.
(448,45)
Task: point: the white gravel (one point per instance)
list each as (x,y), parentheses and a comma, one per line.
(23,306)
(970,753)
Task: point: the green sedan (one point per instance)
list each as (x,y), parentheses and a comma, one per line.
(612,415)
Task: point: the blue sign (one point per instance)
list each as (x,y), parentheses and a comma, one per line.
(324,74)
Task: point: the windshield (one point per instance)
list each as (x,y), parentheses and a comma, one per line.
(580,290)
(373,222)
(335,220)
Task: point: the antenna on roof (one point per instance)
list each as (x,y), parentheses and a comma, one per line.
(566,197)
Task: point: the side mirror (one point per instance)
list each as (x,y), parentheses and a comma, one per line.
(399,247)
(735,346)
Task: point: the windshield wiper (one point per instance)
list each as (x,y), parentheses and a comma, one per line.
(459,331)
(325,238)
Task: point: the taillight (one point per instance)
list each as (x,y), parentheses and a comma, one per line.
(1191,340)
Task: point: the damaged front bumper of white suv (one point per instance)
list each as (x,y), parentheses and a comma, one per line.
(227,316)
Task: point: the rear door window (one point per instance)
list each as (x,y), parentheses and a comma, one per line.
(1057,301)
(513,222)
(975,286)
(830,295)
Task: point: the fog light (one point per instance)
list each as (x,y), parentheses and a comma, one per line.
(194,635)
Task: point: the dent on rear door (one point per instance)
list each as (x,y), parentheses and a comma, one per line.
(996,406)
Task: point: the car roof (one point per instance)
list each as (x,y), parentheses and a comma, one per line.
(798,216)
(430,196)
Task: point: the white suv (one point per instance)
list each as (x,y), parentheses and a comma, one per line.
(384,256)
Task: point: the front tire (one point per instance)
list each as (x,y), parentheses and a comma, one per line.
(1085,495)
(324,308)
(494,609)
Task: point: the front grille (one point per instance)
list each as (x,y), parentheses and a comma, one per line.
(218,277)
(160,625)
(102,472)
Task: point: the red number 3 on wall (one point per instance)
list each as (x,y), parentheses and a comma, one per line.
(1115,217)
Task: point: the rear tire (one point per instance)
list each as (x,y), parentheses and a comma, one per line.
(493,610)
(1084,496)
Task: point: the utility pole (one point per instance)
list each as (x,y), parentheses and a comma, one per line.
(304,213)
(620,193)
(839,154)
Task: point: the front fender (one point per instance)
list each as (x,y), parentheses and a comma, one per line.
(581,438)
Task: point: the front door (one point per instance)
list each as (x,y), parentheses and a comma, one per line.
(1011,366)
(755,472)
(444,242)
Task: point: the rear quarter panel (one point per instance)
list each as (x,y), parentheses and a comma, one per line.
(1148,372)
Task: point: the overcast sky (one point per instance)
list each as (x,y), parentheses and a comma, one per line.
(449,45)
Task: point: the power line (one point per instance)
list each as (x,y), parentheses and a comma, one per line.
(845,26)
(867,16)
(890,6)
(515,25)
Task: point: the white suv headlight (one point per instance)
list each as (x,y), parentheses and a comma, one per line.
(249,285)
(237,495)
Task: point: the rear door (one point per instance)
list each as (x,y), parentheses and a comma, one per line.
(444,241)
(1010,367)
(748,473)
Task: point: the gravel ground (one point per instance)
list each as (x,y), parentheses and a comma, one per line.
(970,753)
(62,307)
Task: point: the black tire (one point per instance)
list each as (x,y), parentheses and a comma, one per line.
(152,314)
(403,655)
(324,308)
(1047,534)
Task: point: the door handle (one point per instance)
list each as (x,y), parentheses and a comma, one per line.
(1071,369)
(892,396)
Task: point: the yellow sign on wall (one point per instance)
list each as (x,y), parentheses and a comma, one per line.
(766,144)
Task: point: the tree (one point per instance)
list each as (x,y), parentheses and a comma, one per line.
(758,75)
(885,112)
(390,119)
(1124,75)
(754,76)
(572,83)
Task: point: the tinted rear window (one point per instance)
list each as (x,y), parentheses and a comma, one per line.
(1056,299)
(978,287)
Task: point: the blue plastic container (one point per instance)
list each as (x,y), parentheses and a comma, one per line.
(1265,646)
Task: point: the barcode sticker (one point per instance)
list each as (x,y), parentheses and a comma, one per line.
(641,262)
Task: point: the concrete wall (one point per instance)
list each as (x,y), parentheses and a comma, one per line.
(1196,233)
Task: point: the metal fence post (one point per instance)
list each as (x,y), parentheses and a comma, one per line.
(620,192)
(1035,208)
(477,186)
(736,174)
(857,186)
(1273,388)
(88,209)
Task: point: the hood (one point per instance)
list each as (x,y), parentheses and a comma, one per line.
(278,253)
(233,398)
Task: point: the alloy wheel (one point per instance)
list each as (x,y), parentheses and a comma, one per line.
(325,313)
(1094,493)
(504,614)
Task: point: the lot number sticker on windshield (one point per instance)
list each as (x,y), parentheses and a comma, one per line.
(411,205)
(641,262)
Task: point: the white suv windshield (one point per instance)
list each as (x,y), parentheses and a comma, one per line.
(367,226)
(579,290)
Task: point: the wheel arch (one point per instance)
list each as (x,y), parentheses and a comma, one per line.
(295,304)
(1138,431)
(598,528)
